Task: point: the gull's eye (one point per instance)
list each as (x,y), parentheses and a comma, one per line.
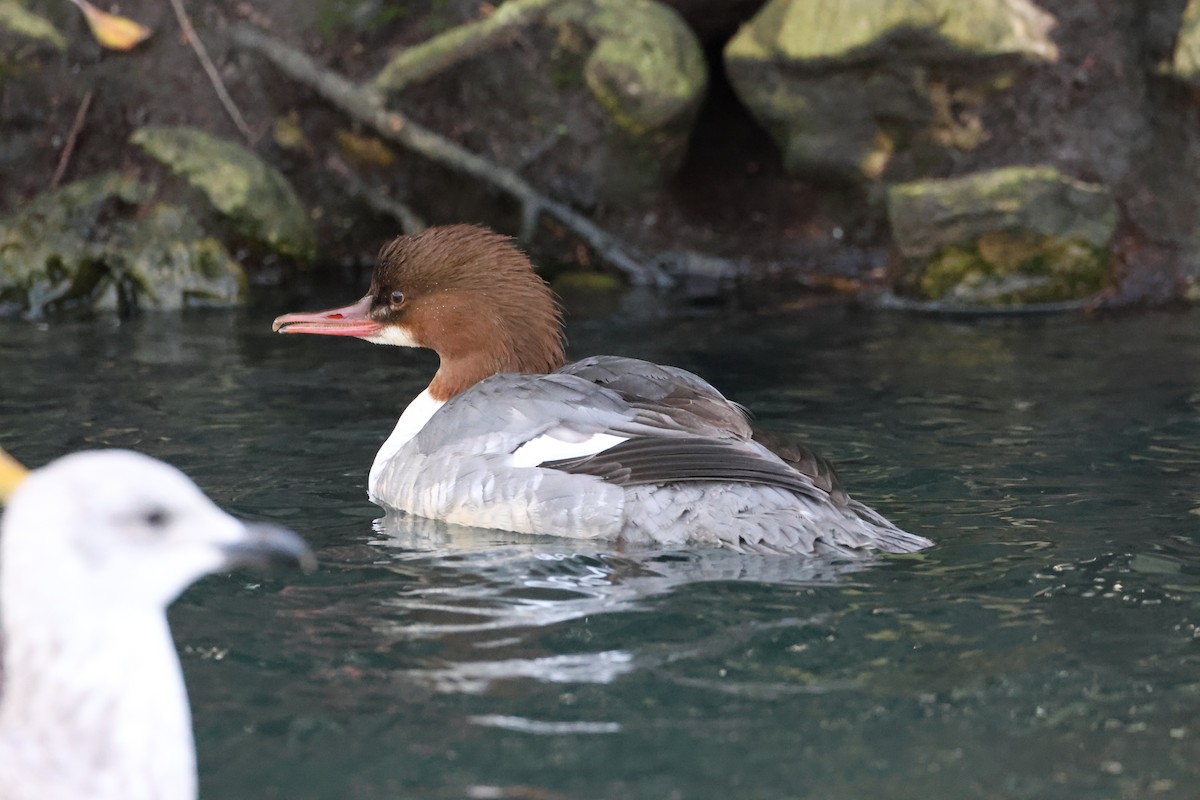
(156,518)
(396,298)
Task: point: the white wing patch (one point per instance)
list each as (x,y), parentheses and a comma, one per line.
(562,443)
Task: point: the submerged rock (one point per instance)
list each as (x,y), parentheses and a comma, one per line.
(1005,236)
(81,248)
(254,195)
(841,85)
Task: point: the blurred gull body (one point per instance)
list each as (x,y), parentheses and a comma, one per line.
(93,548)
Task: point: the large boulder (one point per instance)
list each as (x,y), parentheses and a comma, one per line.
(93,245)
(1001,237)
(841,85)
(253,195)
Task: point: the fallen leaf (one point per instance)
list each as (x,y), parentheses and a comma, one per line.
(112,31)
(365,151)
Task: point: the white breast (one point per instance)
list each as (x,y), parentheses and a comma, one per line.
(409,425)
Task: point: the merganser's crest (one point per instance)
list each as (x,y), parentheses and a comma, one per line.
(607,447)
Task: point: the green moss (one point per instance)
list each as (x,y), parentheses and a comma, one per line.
(49,247)
(812,30)
(949,268)
(255,195)
(1012,235)
(173,264)
(1005,268)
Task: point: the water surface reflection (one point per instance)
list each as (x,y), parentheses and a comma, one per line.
(1046,647)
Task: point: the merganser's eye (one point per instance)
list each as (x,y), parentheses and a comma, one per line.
(396,298)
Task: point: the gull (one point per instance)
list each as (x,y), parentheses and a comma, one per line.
(93,548)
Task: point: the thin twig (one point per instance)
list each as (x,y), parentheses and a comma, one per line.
(376,199)
(366,107)
(189,33)
(72,136)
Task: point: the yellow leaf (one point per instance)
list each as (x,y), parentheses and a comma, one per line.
(11,474)
(365,151)
(112,31)
(288,134)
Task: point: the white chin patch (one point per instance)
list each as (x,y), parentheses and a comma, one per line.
(393,334)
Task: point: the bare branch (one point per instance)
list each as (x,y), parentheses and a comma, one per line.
(423,61)
(367,107)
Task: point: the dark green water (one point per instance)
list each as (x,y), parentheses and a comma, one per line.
(1046,648)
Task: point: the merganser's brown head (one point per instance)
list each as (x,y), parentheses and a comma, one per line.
(463,291)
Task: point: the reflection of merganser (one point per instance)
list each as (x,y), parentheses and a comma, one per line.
(508,437)
(92,550)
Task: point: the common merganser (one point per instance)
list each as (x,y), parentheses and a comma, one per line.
(506,436)
(93,548)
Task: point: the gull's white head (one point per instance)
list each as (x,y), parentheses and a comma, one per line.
(114,527)
(93,547)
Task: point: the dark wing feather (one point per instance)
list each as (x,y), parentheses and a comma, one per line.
(652,460)
(802,459)
(693,405)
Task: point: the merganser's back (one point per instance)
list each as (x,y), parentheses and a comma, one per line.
(507,437)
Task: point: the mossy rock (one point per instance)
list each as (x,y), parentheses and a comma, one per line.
(84,247)
(828,30)
(170,263)
(254,195)
(1005,236)
(842,85)
(646,70)
(52,250)
(926,215)
(1014,268)
(1185,62)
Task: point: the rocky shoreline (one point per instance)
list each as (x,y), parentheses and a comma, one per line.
(996,155)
